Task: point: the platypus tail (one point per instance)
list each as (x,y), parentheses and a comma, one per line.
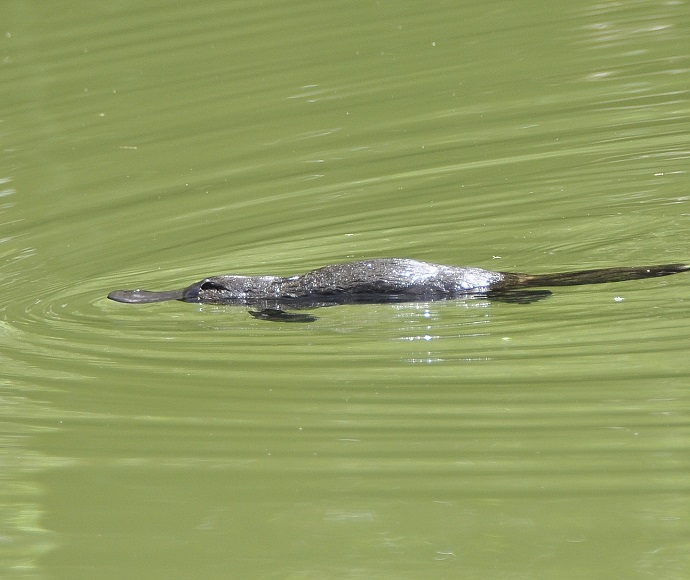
(599,276)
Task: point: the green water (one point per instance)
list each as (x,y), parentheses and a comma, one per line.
(151,144)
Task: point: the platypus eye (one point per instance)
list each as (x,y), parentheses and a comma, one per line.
(211,285)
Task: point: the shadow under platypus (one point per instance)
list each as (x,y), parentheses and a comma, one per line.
(379,281)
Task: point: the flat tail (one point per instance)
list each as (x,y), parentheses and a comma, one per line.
(600,275)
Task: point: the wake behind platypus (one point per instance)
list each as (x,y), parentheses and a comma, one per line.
(378,281)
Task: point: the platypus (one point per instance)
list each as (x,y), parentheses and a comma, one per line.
(381,280)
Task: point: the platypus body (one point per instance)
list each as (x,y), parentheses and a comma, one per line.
(382,280)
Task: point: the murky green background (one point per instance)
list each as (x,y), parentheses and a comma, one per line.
(152,143)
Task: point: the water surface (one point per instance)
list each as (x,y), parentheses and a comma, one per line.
(150,145)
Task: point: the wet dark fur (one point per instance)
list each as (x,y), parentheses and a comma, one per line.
(381,280)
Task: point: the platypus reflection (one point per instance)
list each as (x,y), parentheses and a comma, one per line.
(378,281)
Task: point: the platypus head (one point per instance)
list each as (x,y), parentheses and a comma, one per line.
(233,289)
(211,290)
(216,290)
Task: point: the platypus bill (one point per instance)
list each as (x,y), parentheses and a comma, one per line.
(378,281)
